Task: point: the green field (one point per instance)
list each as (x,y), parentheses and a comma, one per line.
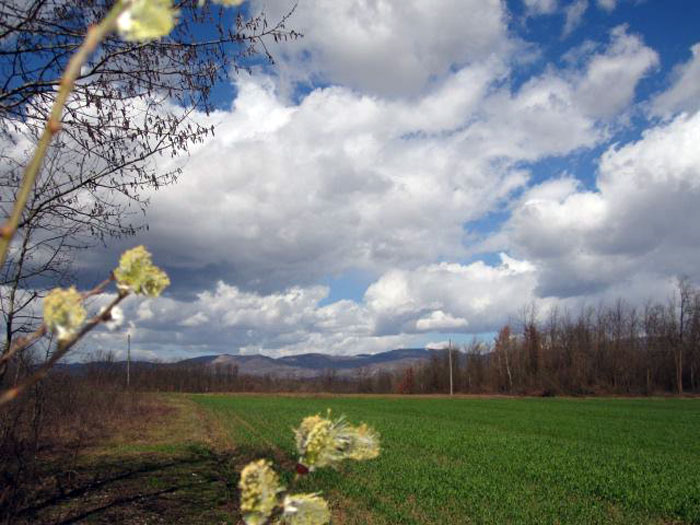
(493,460)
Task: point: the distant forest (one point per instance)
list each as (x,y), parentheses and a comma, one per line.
(609,349)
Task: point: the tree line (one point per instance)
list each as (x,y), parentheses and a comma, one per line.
(609,349)
(616,348)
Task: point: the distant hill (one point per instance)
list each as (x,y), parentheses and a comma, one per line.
(298,366)
(315,364)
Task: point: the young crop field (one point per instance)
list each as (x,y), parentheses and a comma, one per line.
(492,460)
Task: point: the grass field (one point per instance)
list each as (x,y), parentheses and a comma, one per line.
(493,460)
(464,460)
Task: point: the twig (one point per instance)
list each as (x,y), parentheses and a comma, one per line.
(23,342)
(94,36)
(61,350)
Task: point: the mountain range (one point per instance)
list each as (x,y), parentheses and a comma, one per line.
(315,364)
(299,366)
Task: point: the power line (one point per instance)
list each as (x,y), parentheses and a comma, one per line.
(449,352)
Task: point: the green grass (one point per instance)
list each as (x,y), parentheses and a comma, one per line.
(494,460)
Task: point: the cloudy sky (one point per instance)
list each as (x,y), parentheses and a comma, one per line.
(413,171)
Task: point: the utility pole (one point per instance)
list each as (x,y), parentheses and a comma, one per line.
(128,359)
(449,352)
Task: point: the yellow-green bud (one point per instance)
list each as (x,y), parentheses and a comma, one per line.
(260,487)
(136,273)
(146,20)
(323,442)
(305,509)
(363,443)
(64,312)
(316,444)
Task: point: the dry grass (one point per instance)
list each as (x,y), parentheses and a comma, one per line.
(167,463)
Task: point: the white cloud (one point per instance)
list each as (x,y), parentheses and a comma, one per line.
(607,5)
(388,48)
(287,194)
(573,14)
(541,7)
(380,171)
(562,110)
(197,319)
(450,296)
(339,181)
(541,119)
(637,226)
(684,93)
(144,312)
(608,85)
(570,246)
(439,320)
(438,345)
(227,319)
(396,308)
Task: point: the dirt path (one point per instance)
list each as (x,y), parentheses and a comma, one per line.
(175,466)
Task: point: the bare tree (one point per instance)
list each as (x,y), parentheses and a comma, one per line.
(132,104)
(502,349)
(684,305)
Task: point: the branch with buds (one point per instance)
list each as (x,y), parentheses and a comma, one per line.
(65,314)
(134,20)
(321,442)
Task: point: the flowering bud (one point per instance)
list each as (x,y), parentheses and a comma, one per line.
(322,442)
(146,20)
(259,492)
(316,444)
(363,443)
(64,312)
(136,273)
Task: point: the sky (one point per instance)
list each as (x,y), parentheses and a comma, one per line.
(412,172)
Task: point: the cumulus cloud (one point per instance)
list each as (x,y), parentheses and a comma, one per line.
(378,169)
(389,48)
(450,296)
(573,16)
(562,110)
(226,319)
(638,222)
(288,193)
(607,5)
(541,7)
(339,181)
(610,78)
(439,320)
(684,93)
(396,309)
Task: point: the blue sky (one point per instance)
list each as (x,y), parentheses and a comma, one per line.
(412,172)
